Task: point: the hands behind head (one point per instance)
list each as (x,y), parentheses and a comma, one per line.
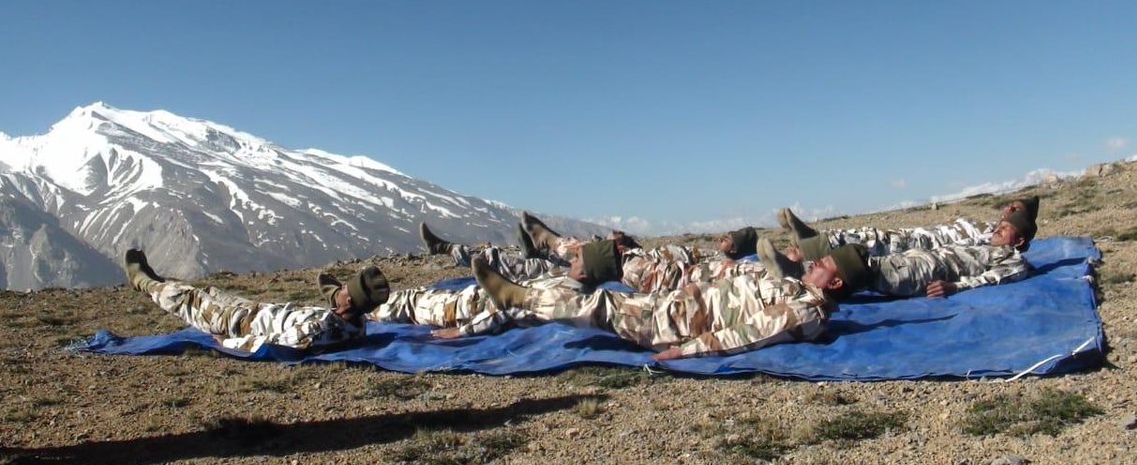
(623,241)
(725,244)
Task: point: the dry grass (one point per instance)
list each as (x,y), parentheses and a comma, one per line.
(1048,412)
(201,407)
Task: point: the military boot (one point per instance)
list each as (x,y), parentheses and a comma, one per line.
(434,244)
(138,271)
(504,293)
(543,237)
(791,223)
(777,264)
(528,250)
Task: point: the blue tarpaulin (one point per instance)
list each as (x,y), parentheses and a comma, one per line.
(1047,324)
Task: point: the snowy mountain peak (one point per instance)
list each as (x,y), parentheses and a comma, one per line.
(357,160)
(205,197)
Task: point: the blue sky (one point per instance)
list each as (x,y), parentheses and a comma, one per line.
(668,112)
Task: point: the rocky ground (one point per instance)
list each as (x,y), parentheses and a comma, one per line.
(62,407)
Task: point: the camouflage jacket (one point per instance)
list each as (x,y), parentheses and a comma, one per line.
(297,327)
(886,241)
(967,267)
(982,265)
(766,312)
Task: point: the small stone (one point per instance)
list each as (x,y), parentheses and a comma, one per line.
(1129,422)
(1010,460)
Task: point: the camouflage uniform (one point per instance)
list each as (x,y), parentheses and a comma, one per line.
(662,269)
(566,248)
(243,324)
(882,242)
(513,267)
(733,315)
(469,309)
(672,267)
(909,273)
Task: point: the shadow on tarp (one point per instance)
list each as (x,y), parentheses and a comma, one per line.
(1047,324)
(239,437)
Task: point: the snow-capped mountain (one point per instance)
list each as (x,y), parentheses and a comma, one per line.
(201,197)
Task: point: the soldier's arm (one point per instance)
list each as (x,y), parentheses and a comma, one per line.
(244,343)
(485,323)
(1011,269)
(307,334)
(749,336)
(735,339)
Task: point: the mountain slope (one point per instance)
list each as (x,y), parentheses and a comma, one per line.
(202,197)
(36,253)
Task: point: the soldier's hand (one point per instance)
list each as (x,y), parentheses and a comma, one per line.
(669,354)
(940,289)
(576,269)
(446,333)
(793,252)
(725,244)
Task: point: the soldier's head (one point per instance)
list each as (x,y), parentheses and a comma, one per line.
(840,273)
(1016,230)
(1027,204)
(361,294)
(739,243)
(597,263)
(623,241)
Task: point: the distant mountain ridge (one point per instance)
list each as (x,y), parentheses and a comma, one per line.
(201,197)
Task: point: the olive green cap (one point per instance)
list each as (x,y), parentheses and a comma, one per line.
(368,289)
(852,263)
(813,248)
(745,242)
(1031,204)
(602,262)
(1024,224)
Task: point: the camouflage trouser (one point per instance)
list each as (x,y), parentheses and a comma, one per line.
(210,309)
(882,242)
(672,267)
(435,307)
(907,274)
(566,248)
(662,269)
(706,311)
(513,267)
(447,308)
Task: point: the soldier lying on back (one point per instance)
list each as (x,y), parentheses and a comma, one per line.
(936,272)
(618,258)
(243,324)
(887,241)
(724,316)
